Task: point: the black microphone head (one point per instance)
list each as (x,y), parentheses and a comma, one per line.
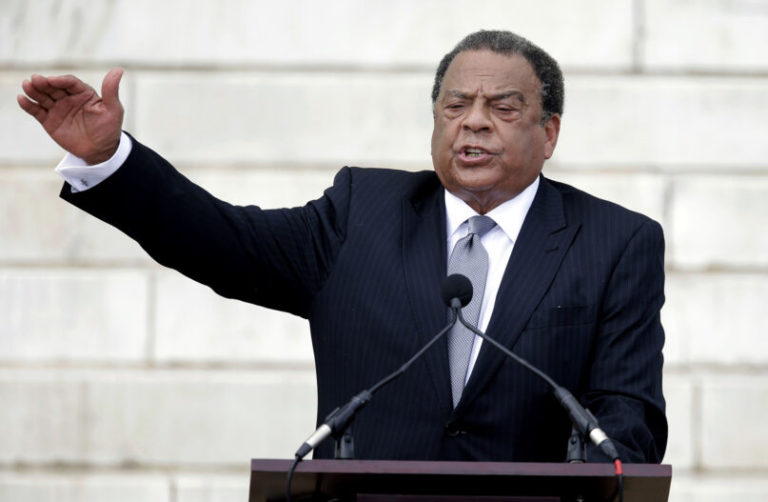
(456,286)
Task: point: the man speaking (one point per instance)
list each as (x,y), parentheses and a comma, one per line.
(572,283)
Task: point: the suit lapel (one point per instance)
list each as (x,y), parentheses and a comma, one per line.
(424,259)
(539,250)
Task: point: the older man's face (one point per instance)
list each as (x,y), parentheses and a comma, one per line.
(488,142)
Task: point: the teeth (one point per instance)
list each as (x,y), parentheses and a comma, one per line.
(474,152)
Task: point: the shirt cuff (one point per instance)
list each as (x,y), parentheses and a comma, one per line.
(81,176)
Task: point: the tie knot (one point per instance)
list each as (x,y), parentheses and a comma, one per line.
(480,225)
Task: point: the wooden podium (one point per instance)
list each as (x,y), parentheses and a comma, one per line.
(412,481)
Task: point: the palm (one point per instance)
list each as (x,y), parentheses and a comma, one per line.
(80,123)
(74,115)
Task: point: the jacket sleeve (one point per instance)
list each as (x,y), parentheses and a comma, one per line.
(277,258)
(625,383)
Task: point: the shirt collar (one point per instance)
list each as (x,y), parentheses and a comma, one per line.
(509,216)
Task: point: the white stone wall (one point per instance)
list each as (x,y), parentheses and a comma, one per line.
(120,380)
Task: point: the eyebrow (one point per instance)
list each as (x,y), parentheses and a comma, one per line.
(493,97)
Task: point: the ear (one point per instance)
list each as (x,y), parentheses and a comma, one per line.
(552,130)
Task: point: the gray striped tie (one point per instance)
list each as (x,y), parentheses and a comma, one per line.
(468,258)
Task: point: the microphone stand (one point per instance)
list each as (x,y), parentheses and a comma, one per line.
(456,292)
(577,447)
(340,419)
(584,422)
(337,423)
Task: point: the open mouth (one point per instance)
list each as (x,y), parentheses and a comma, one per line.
(474,154)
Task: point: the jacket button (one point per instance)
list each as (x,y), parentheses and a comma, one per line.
(454,429)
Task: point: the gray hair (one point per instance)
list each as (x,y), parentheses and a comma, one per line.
(505,42)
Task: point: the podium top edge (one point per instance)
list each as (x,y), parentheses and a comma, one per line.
(461,467)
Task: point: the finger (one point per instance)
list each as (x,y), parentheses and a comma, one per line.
(70,84)
(42,99)
(43,85)
(110,88)
(32,108)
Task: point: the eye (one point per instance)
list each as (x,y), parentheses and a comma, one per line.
(507,111)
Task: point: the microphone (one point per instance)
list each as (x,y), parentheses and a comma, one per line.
(334,423)
(456,292)
(583,420)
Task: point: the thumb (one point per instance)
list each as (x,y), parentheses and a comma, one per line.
(109,88)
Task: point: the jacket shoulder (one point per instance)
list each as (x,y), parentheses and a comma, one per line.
(583,206)
(372,187)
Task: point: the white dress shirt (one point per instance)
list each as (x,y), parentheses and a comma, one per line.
(81,176)
(498,241)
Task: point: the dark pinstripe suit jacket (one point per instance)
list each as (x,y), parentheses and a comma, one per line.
(580,299)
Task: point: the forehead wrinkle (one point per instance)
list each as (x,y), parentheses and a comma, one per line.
(492,97)
(462,94)
(505,95)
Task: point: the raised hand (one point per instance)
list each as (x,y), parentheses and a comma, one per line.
(73,114)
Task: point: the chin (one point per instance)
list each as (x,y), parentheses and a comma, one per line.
(477,183)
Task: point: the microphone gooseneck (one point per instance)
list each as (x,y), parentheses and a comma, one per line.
(456,291)
(582,419)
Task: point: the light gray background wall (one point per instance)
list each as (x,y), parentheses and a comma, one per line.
(120,380)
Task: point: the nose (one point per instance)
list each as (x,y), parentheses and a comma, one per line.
(477,118)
